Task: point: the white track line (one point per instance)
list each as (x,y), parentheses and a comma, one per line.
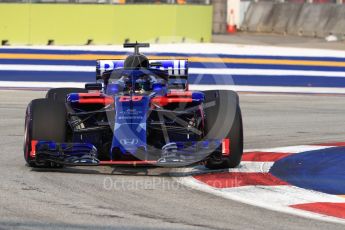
(278,195)
(264,72)
(49,68)
(246,166)
(270,89)
(213,71)
(204,48)
(38,84)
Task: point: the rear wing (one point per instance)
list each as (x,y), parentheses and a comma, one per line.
(176,69)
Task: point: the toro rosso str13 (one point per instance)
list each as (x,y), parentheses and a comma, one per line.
(138,112)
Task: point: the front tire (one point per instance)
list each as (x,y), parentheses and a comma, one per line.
(223,119)
(45,120)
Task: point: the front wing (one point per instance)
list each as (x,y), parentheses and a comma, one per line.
(84,154)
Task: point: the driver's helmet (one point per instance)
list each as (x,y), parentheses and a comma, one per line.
(125,82)
(144,83)
(136,61)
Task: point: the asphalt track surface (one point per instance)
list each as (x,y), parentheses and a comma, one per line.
(142,198)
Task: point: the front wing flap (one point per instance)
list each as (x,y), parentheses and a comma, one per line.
(82,154)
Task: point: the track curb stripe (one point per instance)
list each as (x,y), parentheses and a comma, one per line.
(263,156)
(326,208)
(251,183)
(236,179)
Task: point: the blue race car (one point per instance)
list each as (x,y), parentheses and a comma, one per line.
(138,112)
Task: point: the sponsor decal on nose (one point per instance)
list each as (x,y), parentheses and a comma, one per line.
(129,141)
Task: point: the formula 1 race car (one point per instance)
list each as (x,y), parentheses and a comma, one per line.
(138,112)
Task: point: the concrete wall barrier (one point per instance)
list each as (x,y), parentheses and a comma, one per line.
(258,13)
(279,17)
(284,14)
(326,14)
(314,20)
(336,24)
(219,16)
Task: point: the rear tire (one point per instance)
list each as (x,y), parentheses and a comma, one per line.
(60,94)
(45,120)
(223,119)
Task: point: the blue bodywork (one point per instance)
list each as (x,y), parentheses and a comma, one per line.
(130,124)
(125,106)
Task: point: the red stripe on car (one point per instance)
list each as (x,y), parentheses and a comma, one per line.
(174,93)
(104,101)
(89,94)
(33,148)
(163,101)
(226,147)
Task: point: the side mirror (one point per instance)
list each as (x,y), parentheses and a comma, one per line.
(93,86)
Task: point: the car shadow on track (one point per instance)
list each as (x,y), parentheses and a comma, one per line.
(134,171)
(127,171)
